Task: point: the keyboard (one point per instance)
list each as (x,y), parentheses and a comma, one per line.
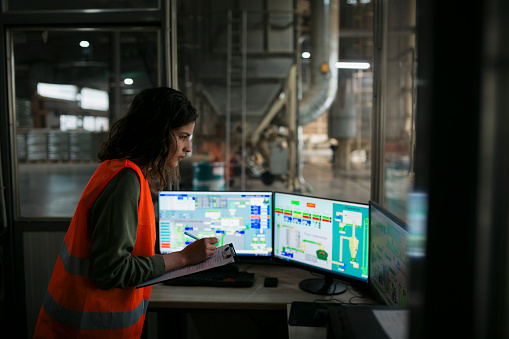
(214,278)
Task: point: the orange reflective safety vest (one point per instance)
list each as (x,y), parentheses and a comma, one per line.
(74,307)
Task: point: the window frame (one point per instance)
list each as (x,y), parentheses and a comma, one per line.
(69,20)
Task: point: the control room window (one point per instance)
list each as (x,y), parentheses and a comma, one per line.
(69,85)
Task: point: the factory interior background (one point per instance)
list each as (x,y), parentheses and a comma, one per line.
(314,97)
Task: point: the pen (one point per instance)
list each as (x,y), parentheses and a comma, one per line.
(192,236)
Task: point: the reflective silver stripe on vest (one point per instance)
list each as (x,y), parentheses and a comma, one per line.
(74,265)
(93,320)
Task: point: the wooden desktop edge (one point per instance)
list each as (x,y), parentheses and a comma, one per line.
(256,297)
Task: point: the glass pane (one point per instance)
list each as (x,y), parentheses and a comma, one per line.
(400,103)
(66,96)
(271,52)
(350,116)
(212,63)
(37,5)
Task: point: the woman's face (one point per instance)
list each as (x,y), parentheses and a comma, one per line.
(181,144)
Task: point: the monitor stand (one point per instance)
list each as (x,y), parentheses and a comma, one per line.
(325,286)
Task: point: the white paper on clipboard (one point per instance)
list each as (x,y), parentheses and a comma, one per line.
(222,256)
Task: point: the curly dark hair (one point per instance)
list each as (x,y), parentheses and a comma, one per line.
(144,135)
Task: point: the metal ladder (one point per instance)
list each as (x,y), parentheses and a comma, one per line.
(236,86)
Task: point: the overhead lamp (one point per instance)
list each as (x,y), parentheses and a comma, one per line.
(84,43)
(94,99)
(354,2)
(128,81)
(57,91)
(352,65)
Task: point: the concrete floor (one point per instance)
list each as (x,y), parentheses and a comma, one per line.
(53,190)
(320,179)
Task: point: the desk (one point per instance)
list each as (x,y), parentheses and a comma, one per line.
(257,311)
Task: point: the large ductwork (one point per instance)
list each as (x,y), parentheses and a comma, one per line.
(324,42)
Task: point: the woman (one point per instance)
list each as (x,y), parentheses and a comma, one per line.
(109,247)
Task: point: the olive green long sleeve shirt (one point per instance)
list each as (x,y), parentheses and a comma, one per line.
(113,221)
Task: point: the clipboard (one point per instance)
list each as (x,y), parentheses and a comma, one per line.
(222,256)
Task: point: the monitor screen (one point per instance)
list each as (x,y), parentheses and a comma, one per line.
(324,235)
(241,218)
(389,262)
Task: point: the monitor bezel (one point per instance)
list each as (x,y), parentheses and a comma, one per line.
(371,287)
(241,257)
(348,279)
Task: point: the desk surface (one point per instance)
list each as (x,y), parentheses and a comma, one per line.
(256,297)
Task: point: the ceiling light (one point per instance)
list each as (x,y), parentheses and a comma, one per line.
(353,65)
(306,55)
(128,81)
(57,91)
(94,99)
(84,43)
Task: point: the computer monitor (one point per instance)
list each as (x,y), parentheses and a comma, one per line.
(326,236)
(389,262)
(241,218)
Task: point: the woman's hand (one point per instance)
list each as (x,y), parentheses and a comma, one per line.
(194,253)
(199,250)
